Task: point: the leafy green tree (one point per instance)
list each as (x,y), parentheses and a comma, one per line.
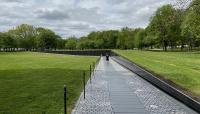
(126,39)
(1,40)
(71,43)
(151,37)
(92,40)
(109,39)
(164,23)
(46,39)
(25,35)
(81,43)
(60,43)
(191,24)
(103,40)
(139,38)
(99,40)
(7,42)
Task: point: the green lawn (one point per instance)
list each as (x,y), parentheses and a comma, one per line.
(33,82)
(182,68)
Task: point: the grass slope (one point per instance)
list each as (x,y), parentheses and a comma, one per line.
(182,68)
(33,82)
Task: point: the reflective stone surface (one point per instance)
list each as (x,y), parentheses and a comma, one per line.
(116,90)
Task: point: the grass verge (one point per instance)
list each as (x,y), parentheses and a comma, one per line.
(33,82)
(181,68)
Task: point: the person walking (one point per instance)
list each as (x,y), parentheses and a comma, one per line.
(107,57)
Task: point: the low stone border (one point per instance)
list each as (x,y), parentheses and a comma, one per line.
(82,52)
(187,100)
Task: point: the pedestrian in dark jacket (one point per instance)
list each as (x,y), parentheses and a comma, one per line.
(107,57)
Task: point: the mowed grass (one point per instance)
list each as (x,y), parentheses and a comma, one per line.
(33,82)
(182,68)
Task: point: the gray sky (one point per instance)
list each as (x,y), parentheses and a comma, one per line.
(78,17)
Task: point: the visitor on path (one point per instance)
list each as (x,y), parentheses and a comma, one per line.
(107,57)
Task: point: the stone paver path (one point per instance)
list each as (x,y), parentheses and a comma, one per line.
(116,90)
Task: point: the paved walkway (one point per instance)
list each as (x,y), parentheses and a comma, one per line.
(116,90)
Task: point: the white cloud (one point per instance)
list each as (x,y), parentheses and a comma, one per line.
(51,14)
(78,17)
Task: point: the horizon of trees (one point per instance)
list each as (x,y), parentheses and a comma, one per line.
(27,37)
(169,27)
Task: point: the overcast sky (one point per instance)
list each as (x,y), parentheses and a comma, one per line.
(78,17)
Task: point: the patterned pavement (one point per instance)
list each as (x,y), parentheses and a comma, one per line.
(116,90)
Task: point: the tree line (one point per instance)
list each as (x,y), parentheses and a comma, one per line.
(170,27)
(28,37)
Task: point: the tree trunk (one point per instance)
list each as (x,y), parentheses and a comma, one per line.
(165,46)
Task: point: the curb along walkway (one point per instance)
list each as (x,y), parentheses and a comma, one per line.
(116,90)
